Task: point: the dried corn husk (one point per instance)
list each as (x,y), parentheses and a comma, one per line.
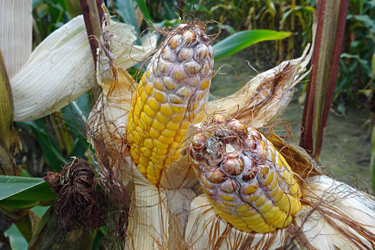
(60,69)
(266,95)
(15,33)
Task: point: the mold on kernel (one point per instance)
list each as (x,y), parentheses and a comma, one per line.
(189,38)
(175,41)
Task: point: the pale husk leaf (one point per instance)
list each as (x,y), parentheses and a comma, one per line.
(266,95)
(15,33)
(60,69)
(157,218)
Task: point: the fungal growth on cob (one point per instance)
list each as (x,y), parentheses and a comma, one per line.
(172,93)
(247,181)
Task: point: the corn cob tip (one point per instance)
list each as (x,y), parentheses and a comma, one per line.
(246,180)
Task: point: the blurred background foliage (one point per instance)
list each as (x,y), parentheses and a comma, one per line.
(48,143)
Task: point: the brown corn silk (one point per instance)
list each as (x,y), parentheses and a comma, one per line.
(172,93)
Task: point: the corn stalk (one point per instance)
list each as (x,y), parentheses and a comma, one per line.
(322,80)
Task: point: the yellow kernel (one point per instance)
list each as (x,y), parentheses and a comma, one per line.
(243,208)
(269,179)
(149,112)
(251,216)
(169,84)
(166,109)
(179,138)
(154,133)
(142,168)
(260,201)
(165,139)
(144,97)
(139,130)
(178,109)
(148,74)
(139,104)
(184,124)
(149,89)
(146,151)
(157,125)
(184,92)
(161,118)
(148,143)
(273,214)
(168,133)
(181,132)
(137,112)
(175,99)
(227,197)
(173,126)
(143,160)
(145,119)
(159,152)
(160,97)
(251,189)
(160,144)
(143,79)
(159,85)
(266,207)
(177,118)
(152,103)
(205,84)
(280,194)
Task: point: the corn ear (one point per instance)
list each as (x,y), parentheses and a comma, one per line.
(172,93)
(333,216)
(60,69)
(247,181)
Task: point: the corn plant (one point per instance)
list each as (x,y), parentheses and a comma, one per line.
(151,152)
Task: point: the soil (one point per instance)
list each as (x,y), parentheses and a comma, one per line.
(346,146)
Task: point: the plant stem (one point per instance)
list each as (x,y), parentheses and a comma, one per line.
(325,61)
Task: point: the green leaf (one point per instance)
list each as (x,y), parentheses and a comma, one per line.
(17,241)
(143,7)
(75,116)
(126,10)
(51,151)
(368,21)
(22,192)
(244,39)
